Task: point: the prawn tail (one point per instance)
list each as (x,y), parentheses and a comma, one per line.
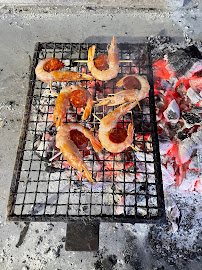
(91,53)
(88,108)
(113,42)
(86,113)
(97,146)
(112,45)
(87,173)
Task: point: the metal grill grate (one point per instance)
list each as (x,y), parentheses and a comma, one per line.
(50,191)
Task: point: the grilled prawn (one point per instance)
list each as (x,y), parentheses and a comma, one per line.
(71,152)
(109,122)
(128,95)
(47,70)
(113,63)
(78,96)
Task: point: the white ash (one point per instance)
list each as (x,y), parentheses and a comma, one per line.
(199,155)
(193,95)
(167,176)
(44,250)
(188,183)
(194,163)
(186,148)
(184,244)
(141,156)
(172,212)
(66,62)
(172,113)
(195,82)
(197,137)
(165,144)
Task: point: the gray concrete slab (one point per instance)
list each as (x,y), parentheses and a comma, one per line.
(43,247)
(161,4)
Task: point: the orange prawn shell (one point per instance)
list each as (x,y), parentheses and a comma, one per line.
(61,105)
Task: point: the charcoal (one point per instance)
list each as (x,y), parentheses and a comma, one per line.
(183,59)
(182,135)
(190,119)
(112,259)
(193,52)
(172,113)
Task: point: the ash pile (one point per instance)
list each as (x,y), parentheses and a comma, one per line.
(178,95)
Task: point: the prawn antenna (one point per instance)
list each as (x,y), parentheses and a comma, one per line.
(50,85)
(134,148)
(131,117)
(96,117)
(138,104)
(56,155)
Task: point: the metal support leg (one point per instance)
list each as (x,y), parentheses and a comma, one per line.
(82,236)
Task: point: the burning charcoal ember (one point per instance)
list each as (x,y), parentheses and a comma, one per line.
(159,115)
(198,186)
(165,144)
(186,148)
(172,113)
(195,69)
(104,176)
(143,142)
(190,119)
(194,96)
(195,82)
(182,60)
(161,101)
(161,72)
(169,85)
(181,89)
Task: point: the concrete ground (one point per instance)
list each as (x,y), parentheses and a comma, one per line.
(20,29)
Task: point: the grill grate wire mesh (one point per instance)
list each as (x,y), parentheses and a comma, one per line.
(49,191)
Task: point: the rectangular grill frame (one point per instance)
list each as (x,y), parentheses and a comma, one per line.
(160,218)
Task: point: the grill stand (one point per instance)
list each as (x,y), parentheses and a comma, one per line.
(82,236)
